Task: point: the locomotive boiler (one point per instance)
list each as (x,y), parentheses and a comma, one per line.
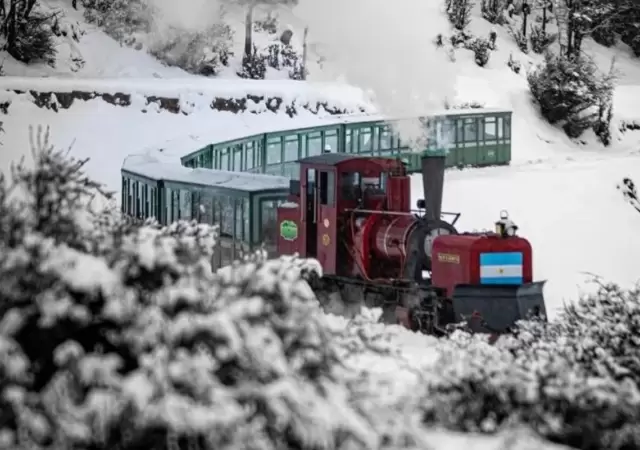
(353,214)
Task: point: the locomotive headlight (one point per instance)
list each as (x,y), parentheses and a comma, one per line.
(505,227)
(511,229)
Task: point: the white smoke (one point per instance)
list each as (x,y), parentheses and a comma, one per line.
(387,47)
(383,46)
(188,15)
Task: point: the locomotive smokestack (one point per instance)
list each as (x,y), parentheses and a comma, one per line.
(433,184)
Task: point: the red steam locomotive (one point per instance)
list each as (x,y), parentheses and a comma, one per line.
(353,214)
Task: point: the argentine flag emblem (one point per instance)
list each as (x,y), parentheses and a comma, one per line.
(501,268)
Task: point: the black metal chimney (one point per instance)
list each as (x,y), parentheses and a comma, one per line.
(433,185)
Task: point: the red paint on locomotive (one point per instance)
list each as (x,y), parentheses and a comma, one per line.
(380,242)
(456,258)
(352,214)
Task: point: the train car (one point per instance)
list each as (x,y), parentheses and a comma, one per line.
(352,213)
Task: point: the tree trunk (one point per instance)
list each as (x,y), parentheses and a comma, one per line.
(12,28)
(544,17)
(28,8)
(303,75)
(524,24)
(248,32)
(570,27)
(577,42)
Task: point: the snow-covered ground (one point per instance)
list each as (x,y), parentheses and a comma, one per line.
(107,133)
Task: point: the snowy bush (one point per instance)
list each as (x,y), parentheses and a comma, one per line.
(630,193)
(459,13)
(545,376)
(284,56)
(202,52)
(520,37)
(120,19)
(461,39)
(268,24)
(540,39)
(569,91)
(33,40)
(493,11)
(631,37)
(514,64)
(605,34)
(481,48)
(575,381)
(281,56)
(116,334)
(254,66)
(493,36)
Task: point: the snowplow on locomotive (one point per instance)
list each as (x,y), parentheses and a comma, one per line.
(353,214)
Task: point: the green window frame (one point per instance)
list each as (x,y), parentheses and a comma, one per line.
(246,224)
(354,146)
(226,214)
(154,202)
(249,155)
(331,140)
(237,158)
(365,140)
(274,150)
(314,143)
(386,138)
(224,158)
(470,130)
(291,148)
(208,158)
(490,132)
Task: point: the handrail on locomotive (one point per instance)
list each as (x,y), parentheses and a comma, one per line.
(419,213)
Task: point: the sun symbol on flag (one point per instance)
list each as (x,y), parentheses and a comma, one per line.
(500,270)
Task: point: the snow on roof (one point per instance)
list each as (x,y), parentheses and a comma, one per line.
(149,166)
(245,127)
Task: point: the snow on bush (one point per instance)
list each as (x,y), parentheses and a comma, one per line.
(123,20)
(574,381)
(203,52)
(630,193)
(116,334)
(571,91)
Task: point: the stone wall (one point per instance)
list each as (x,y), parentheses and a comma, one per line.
(250,103)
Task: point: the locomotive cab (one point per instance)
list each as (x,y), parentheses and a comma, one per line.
(327,206)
